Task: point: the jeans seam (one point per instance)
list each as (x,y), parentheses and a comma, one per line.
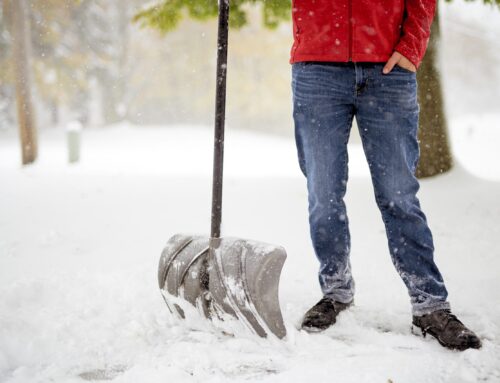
(345,161)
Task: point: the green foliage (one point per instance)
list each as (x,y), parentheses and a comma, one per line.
(166,15)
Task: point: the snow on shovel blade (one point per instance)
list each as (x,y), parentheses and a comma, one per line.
(182,272)
(239,277)
(244,279)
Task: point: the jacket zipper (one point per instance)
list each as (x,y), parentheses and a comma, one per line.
(350,30)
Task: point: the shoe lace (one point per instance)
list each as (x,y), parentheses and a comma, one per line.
(324,302)
(449,318)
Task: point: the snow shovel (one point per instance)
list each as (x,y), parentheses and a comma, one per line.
(223,275)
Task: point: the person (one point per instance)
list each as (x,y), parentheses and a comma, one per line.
(359,58)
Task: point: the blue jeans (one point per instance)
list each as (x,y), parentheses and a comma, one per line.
(326,97)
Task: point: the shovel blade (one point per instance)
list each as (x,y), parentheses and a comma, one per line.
(237,276)
(182,272)
(244,280)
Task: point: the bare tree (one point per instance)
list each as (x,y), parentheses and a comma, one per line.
(20,58)
(436,157)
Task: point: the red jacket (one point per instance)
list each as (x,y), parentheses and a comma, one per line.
(360,30)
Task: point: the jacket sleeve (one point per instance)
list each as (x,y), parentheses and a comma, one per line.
(416,29)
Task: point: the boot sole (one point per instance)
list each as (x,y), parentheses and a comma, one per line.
(314,330)
(417,331)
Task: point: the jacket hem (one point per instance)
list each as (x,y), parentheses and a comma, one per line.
(297,57)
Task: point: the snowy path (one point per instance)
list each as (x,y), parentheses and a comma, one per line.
(79,248)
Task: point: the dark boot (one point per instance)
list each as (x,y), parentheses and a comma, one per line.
(322,315)
(447,329)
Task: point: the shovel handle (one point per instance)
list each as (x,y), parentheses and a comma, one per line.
(220,114)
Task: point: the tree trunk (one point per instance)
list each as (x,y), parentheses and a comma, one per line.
(435,153)
(20,32)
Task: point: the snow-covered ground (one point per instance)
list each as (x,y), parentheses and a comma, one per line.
(79,246)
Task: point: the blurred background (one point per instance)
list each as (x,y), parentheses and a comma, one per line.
(92,63)
(89,62)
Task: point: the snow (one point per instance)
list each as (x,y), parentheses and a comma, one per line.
(74,126)
(475,142)
(80,244)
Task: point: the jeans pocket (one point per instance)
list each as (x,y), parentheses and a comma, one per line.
(403,70)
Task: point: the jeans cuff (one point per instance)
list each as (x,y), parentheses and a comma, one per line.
(340,297)
(427,308)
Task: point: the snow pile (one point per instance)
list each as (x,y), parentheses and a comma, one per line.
(475,141)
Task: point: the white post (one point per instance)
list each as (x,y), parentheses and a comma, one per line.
(73,135)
